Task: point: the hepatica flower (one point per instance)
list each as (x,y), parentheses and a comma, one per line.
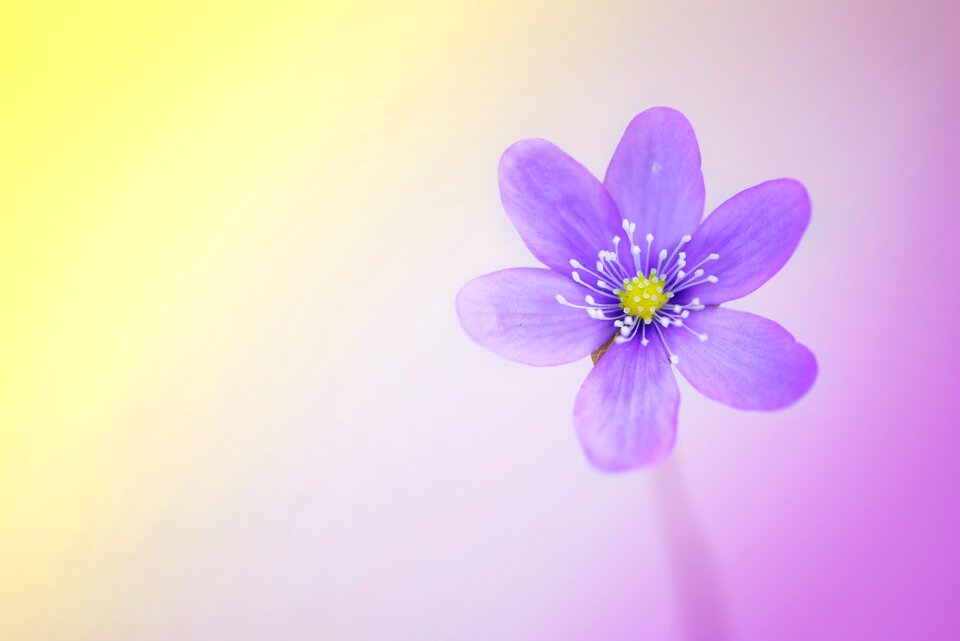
(632,270)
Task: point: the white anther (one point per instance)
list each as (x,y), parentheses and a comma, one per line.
(698,273)
(575,276)
(663,254)
(713,256)
(626,225)
(644,342)
(702,337)
(674,359)
(576,264)
(561,299)
(590,300)
(649,237)
(684,314)
(712,279)
(677,309)
(686,239)
(678,322)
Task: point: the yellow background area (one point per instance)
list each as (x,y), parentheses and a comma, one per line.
(175,181)
(148,155)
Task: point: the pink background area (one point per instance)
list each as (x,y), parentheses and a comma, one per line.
(309,447)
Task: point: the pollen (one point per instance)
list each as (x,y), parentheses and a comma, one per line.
(641,296)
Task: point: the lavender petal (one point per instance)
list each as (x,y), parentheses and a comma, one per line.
(626,411)
(747,361)
(514,313)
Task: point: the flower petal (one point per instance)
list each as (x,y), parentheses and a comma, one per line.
(655,178)
(515,313)
(755,233)
(747,361)
(559,208)
(626,411)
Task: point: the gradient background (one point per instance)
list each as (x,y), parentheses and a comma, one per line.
(235,402)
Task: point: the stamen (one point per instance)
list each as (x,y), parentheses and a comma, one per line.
(646,264)
(702,280)
(700,264)
(611,263)
(636,293)
(700,336)
(576,277)
(627,331)
(598,312)
(630,228)
(684,240)
(674,359)
(677,267)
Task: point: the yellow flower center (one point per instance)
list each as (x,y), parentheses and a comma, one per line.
(642,297)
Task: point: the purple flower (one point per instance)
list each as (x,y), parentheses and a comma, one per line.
(633,270)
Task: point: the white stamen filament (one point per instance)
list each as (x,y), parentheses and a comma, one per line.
(577,279)
(630,228)
(646,261)
(615,281)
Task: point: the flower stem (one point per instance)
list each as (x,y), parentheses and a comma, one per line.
(694,570)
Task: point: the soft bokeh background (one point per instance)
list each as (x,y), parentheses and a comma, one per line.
(235,402)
